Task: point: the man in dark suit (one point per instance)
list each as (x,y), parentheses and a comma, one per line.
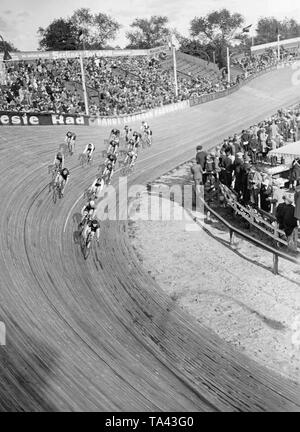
(201,156)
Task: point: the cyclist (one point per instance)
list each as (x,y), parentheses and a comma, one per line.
(113,146)
(131,156)
(97,186)
(137,139)
(62,179)
(87,211)
(108,173)
(89,150)
(114,134)
(130,144)
(111,157)
(148,134)
(92,227)
(127,133)
(58,161)
(71,140)
(144,126)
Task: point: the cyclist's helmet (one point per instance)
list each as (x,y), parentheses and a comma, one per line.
(92,203)
(59,155)
(109,166)
(65,172)
(126,127)
(95,223)
(131,141)
(69,134)
(113,142)
(135,133)
(111,157)
(90,145)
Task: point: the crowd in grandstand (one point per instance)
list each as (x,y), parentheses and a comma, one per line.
(240,161)
(124,85)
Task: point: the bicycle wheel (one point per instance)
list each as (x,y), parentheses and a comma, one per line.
(87,246)
(55,193)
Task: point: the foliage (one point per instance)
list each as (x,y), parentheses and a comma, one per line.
(148,33)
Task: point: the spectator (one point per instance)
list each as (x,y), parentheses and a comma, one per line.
(197,173)
(288,222)
(201,156)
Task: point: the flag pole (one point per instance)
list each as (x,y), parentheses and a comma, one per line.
(228,66)
(175,69)
(84,85)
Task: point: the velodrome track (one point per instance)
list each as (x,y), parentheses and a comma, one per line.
(100,334)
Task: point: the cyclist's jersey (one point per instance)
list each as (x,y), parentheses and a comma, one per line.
(114,143)
(131,154)
(89,208)
(144,126)
(65,174)
(137,137)
(115,132)
(94,225)
(112,158)
(89,148)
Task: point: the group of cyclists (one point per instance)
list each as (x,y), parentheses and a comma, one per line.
(89,225)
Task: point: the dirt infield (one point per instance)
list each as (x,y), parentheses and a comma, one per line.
(229,290)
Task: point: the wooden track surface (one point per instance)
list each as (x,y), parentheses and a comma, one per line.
(100,334)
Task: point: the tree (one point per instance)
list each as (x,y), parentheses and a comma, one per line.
(7,46)
(148,33)
(59,35)
(217,29)
(96,29)
(83,29)
(268,28)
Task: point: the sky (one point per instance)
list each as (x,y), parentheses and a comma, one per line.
(20,19)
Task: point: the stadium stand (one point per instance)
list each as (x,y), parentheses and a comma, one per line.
(115,86)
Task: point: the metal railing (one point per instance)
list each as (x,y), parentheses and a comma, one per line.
(233,230)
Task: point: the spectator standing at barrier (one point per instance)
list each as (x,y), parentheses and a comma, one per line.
(197,173)
(265,195)
(297,202)
(238,173)
(245,170)
(201,156)
(245,138)
(254,185)
(295,173)
(288,222)
(228,167)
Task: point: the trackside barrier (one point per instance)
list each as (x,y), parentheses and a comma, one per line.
(197,100)
(155,112)
(232,230)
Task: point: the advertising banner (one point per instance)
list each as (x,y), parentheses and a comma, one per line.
(2,73)
(54,55)
(37,119)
